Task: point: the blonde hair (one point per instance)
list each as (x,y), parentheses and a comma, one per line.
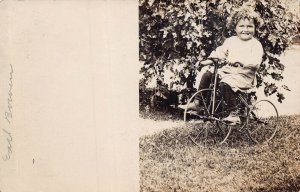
(244,13)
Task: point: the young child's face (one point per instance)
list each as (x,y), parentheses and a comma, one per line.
(245,29)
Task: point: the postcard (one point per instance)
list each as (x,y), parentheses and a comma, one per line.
(68,101)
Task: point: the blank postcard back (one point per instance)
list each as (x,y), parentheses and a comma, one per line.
(68,100)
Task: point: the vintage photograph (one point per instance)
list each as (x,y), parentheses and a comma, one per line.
(219,100)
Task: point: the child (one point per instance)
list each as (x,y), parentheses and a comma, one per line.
(243,54)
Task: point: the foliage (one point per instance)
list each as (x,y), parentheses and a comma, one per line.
(175,34)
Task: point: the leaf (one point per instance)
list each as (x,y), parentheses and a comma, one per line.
(276,76)
(270,89)
(272,39)
(280,97)
(286,87)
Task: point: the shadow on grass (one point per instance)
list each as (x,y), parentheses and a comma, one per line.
(290,185)
(164,114)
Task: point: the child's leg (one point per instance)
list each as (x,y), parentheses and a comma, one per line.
(232,102)
(229,96)
(204,84)
(205,80)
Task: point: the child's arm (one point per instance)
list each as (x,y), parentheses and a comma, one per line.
(211,62)
(206,62)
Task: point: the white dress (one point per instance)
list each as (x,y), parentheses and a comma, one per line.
(249,53)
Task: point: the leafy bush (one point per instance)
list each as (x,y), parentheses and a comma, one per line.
(175,34)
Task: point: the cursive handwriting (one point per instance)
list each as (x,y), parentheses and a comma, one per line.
(8,113)
(9,145)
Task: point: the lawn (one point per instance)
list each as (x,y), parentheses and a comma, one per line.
(169,161)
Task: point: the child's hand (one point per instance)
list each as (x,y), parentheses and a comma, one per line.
(206,62)
(203,63)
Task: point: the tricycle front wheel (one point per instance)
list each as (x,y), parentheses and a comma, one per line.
(205,130)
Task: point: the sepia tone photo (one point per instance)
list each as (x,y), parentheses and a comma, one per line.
(149,95)
(219,100)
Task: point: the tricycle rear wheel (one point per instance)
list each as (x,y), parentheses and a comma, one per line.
(262,121)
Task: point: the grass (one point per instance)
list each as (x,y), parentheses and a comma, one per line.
(170,113)
(169,161)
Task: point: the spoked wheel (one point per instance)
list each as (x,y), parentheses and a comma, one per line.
(202,111)
(205,130)
(223,131)
(262,121)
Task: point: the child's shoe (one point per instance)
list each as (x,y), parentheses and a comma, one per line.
(193,106)
(233,118)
